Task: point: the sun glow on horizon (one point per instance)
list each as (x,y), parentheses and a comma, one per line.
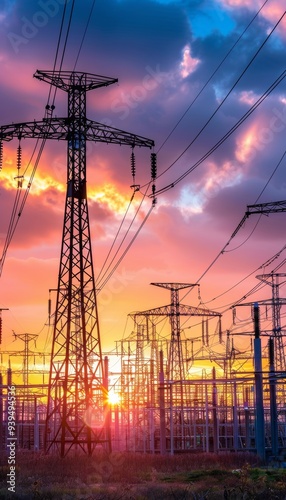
(113,398)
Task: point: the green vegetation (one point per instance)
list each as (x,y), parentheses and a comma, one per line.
(130,476)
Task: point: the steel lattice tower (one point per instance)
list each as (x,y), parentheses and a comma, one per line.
(77,393)
(175,370)
(276,302)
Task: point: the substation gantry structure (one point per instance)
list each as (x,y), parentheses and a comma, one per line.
(275,280)
(176,362)
(77,393)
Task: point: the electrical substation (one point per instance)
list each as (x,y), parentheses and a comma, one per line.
(164,401)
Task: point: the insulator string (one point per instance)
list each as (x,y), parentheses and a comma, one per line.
(134,186)
(133,166)
(153,175)
(19,164)
(19,157)
(1,155)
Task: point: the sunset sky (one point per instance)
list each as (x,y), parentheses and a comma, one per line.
(188,71)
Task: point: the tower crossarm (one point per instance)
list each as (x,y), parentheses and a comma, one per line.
(96,131)
(266,208)
(265,302)
(183,310)
(55,128)
(78,379)
(65,80)
(59,129)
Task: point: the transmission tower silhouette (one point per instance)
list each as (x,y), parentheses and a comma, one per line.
(175,370)
(77,394)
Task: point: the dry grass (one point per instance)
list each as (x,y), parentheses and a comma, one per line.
(120,476)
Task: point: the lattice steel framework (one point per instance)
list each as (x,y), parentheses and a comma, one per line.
(275,280)
(176,363)
(77,396)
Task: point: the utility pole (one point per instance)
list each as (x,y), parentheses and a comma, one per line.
(76,396)
(259,411)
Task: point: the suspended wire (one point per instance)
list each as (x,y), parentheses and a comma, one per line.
(259,196)
(248,237)
(135,188)
(166,188)
(103,275)
(17,211)
(67,33)
(11,229)
(274,172)
(56,57)
(128,248)
(115,239)
(234,234)
(211,77)
(256,288)
(100,286)
(84,34)
(227,135)
(247,114)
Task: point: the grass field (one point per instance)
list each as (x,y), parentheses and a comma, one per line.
(120,476)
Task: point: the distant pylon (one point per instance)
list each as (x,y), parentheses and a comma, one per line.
(77,393)
(275,280)
(175,371)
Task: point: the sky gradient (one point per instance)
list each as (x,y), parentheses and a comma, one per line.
(187,72)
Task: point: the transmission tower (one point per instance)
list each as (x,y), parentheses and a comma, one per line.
(275,280)
(26,338)
(176,362)
(271,279)
(76,396)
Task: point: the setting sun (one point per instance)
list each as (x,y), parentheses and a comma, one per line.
(113,398)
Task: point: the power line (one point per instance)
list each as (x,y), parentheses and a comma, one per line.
(210,78)
(226,136)
(128,247)
(84,34)
(18,208)
(166,188)
(234,234)
(254,107)
(114,241)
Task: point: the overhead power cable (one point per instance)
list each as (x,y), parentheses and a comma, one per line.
(114,241)
(226,136)
(106,276)
(211,77)
(56,57)
(257,52)
(84,35)
(256,201)
(169,186)
(18,206)
(128,248)
(238,227)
